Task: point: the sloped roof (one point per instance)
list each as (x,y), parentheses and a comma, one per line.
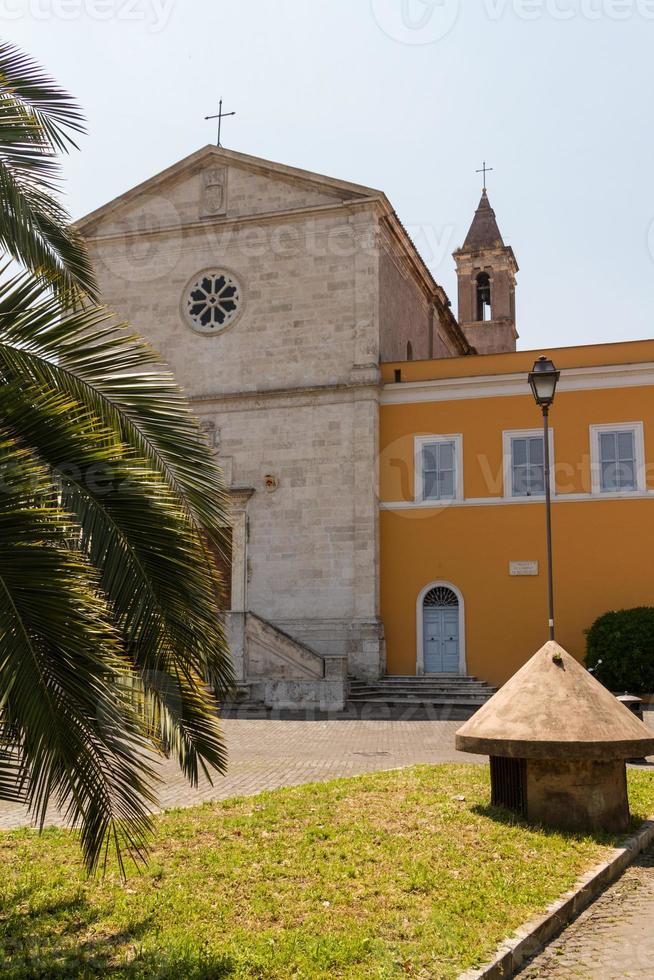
(483,232)
(344,189)
(553,708)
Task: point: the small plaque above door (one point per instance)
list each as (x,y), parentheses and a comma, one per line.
(523,568)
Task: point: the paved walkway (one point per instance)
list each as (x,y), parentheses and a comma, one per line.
(612,939)
(266,753)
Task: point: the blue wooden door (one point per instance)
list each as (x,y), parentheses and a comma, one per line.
(441,640)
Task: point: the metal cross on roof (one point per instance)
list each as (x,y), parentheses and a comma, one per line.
(484,170)
(220,115)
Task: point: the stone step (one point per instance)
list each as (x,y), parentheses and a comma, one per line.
(418,683)
(445,685)
(435,699)
(392,678)
(425,690)
(390,699)
(443,698)
(431,679)
(435,695)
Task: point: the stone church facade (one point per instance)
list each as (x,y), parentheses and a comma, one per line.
(275,295)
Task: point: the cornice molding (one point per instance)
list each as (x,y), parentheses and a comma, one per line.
(508,385)
(560,498)
(262,218)
(259,399)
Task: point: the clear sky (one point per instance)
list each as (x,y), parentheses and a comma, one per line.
(405,95)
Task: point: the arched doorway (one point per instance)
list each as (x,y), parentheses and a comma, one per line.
(440,625)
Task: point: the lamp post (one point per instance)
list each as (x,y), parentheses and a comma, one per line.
(543,379)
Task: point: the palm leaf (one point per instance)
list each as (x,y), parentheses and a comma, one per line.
(54,111)
(75,737)
(36,120)
(118,377)
(152,565)
(110,504)
(124,516)
(34,230)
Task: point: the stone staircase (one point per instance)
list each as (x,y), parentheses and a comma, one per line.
(280,673)
(435,696)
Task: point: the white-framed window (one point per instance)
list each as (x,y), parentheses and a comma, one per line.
(439,468)
(524,462)
(617,454)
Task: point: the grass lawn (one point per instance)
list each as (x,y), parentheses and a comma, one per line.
(402,873)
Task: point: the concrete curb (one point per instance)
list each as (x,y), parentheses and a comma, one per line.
(530,937)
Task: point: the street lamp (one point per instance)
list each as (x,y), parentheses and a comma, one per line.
(543,379)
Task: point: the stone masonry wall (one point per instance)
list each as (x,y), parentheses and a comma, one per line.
(303,283)
(404,310)
(312,540)
(291,388)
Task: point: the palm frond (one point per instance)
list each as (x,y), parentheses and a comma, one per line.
(75,739)
(36,120)
(110,504)
(118,378)
(13,776)
(35,231)
(128,512)
(153,568)
(55,112)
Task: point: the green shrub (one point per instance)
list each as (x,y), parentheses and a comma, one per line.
(624,643)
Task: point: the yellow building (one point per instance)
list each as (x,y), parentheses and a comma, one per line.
(462,514)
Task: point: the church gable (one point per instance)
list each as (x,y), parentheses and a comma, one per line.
(253,193)
(216,184)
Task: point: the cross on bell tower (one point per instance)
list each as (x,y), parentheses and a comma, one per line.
(486,269)
(484,170)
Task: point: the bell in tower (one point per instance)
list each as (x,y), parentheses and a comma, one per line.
(486,269)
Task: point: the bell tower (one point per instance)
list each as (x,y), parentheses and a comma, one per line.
(486,269)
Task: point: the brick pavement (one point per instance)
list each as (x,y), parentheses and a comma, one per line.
(266,753)
(612,939)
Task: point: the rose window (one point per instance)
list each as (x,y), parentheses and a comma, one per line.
(212,301)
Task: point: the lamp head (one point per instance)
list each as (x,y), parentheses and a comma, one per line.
(543,379)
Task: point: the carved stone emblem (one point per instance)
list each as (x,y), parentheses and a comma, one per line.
(214,191)
(211,433)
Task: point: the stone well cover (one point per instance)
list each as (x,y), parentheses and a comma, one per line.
(553,708)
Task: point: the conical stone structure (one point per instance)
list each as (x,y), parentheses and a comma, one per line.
(483,232)
(558,741)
